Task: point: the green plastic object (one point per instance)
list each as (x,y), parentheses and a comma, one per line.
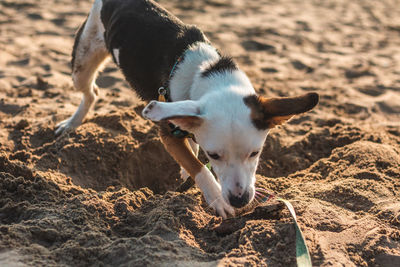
(302,254)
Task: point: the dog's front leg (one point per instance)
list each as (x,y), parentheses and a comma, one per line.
(195,149)
(181,151)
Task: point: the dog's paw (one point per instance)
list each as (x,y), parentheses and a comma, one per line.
(212,193)
(65,126)
(184,174)
(222,208)
(153,111)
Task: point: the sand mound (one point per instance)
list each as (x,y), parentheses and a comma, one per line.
(63,223)
(103,194)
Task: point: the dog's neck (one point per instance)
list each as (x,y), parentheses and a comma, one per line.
(188,81)
(195,56)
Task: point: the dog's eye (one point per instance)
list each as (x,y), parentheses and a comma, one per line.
(253,154)
(213,155)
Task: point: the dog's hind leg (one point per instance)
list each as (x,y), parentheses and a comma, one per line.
(88,56)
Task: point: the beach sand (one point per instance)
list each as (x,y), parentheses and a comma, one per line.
(103,195)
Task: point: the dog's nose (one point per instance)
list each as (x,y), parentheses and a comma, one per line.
(239,201)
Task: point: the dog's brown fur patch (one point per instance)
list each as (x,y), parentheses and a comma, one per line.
(180,150)
(266,113)
(187,123)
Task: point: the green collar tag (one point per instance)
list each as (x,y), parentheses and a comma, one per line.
(179,133)
(208,165)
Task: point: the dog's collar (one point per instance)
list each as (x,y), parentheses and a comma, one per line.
(164,96)
(179,133)
(163,91)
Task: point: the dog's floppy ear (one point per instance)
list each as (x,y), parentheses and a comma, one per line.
(266,113)
(185,114)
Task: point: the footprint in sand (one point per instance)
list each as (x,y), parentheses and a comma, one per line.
(21,62)
(269,70)
(372,90)
(10,109)
(298,65)
(252,45)
(106,81)
(389,106)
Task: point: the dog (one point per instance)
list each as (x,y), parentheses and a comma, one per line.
(209,96)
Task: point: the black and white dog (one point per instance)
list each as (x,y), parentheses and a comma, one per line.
(209,95)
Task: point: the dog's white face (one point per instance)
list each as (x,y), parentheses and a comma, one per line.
(233,149)
(231,128)
(232,144)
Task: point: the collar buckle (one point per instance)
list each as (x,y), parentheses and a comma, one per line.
(162,93)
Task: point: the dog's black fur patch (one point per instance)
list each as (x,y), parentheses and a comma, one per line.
(149,39)
(224,64)
(259,117)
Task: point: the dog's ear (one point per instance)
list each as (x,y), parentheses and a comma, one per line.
(185,114)
(266,113)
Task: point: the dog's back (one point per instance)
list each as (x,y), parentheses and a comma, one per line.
(148,39)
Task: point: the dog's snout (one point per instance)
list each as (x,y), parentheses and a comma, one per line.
(240,200)
(239,185)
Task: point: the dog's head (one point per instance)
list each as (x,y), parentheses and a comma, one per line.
(231,129)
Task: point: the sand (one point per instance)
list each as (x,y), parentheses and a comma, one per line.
(104,194)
